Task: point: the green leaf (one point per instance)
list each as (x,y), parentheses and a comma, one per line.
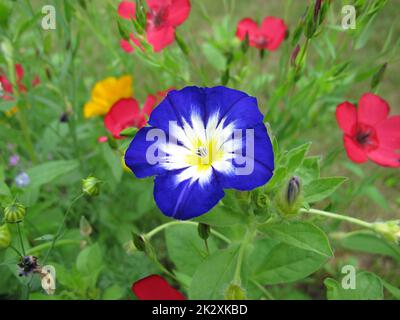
(227,213)
(309,170)
(214,275)
(368,287)
(375,195)
(321,188)
(302,235)
(49,171)
(186,249)
(295,157)
(113,161)
(89,260)
(395,292)
(369,242)
(114,292)
(214,56)
(273,262)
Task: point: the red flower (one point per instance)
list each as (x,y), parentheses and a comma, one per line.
(368,131)
(7,87)
(126,113)
(127,10)
(162,19)
(269,36)
(155,287)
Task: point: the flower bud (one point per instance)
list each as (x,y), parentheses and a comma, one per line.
(204,230)
(293,190)
(377,77)
(5,237)
(290,199)
(84,227)
(390,230)
(91,186)
(235,292)
(317,8)
(139,242)
(14,213)
(294,55)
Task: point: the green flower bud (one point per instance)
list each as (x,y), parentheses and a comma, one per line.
(377,77)
(235,292)
(91,186)
(5,237)
(390,230)
(139,242)
(204,230)
(290,199)
(84,227)
(14,213)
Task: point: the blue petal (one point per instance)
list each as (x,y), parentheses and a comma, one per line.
(263,163)
(187,199)
(233,105)
(135,156)
(178,104)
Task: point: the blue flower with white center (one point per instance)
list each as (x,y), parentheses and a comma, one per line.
(198,142)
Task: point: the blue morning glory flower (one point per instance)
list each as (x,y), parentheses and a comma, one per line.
(198,142)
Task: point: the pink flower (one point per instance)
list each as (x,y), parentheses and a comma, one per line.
(268,36)
(369,132)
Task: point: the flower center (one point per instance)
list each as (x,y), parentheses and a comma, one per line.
(204,154)
(366,137)
(158,17)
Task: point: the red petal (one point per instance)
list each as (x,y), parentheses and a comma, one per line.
(247,26)
(274,30)
(372,109)
(389,133)
(7,87)
(123,114)
(35,81)
(385,157)
(159,38)
(354,152)
(155,287)
(19,71)
(127,10)
(178,12)
(346,116)
(126,46)
(148,106)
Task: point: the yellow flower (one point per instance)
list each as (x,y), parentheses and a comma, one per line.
(105,93)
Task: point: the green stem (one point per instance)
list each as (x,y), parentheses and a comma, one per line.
(61,226)
(59,243)
(336,216)
(247,239)
(20,239)
(266,293)
(156,230)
